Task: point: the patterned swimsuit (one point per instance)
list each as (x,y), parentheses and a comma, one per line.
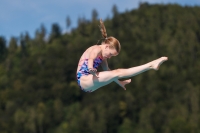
(84,70)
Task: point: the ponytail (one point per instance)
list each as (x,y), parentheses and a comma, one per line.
(109,40)
(103,29)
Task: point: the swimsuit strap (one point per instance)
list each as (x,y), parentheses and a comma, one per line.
(80,61)
(99,57)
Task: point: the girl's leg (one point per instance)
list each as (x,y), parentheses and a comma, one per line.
(106,77)
(133,71)
(123,83)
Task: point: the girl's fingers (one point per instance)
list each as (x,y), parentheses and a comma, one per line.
(93,72)
(96,75)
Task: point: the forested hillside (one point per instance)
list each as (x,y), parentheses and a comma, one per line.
(39,93)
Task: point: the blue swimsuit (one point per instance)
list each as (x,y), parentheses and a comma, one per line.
(84,70)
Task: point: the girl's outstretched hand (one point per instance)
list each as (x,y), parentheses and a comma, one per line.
(93,71)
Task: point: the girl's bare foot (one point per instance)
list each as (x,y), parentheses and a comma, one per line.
(156,63)
(124,82)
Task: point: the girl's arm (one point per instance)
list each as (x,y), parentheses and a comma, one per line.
(105,67)
(92,56)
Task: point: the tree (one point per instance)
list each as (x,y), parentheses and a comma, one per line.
(40,36)
(3,49)
(68,22)
(55,32)
(94,15)
(115,10)
(12,45)
(23,45)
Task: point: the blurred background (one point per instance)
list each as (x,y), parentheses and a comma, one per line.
(42,41)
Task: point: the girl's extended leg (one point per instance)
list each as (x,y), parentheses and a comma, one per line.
(133,71)
(106,77)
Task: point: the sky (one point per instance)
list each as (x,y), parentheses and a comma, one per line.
(21,16)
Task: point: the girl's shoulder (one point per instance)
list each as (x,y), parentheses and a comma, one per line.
(95,48)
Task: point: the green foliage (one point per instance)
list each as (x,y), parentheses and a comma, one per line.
(3,49)
(39,93)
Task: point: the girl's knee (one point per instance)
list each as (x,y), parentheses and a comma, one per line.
(117,73)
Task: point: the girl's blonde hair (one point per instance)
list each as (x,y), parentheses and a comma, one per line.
(114,43)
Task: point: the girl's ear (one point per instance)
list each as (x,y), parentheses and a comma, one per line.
(106,46)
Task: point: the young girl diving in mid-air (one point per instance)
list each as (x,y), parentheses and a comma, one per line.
(90,80)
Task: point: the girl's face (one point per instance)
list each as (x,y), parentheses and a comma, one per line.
(109,52)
